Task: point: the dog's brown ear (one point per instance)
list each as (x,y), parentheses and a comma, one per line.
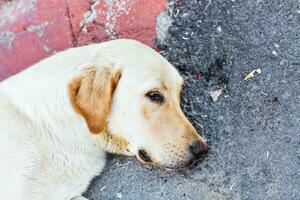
(91,95)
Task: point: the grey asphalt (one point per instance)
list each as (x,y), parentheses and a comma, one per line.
(253,129)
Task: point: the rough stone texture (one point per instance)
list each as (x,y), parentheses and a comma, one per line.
(33,29)
(101,20)
(253,129)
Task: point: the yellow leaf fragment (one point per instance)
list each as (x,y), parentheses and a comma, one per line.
(251,74)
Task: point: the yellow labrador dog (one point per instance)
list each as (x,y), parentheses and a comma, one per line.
(60,116)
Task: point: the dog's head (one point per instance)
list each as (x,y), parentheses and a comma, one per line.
(137,98)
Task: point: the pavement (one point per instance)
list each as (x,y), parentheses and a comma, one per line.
(252,127)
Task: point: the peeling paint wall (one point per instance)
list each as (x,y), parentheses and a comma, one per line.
(33,29)
(29,31)
(163,22)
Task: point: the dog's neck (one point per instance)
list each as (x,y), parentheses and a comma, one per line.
(41,95)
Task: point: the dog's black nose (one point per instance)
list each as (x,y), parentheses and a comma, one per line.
(198,148)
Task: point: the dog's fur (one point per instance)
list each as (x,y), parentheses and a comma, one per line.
(60,116)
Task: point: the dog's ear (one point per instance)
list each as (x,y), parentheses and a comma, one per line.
(91,95)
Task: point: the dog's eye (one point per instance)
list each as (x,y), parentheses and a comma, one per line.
(155,97)
(144,156)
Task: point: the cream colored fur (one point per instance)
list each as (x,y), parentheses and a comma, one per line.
(47,151)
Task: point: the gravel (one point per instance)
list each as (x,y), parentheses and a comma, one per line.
(253,129)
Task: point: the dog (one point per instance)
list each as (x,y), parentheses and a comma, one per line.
(60,116)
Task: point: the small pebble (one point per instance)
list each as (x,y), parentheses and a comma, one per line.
(215,94)
(231,187)
(102,188)
(226,181)
(287,139)
(272,99)
(186,35)
(119,195)
(173,30)
(186,16)
(198,23)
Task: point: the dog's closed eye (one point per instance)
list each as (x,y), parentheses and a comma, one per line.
(155,97)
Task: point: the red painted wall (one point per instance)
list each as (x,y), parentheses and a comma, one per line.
(34,29)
